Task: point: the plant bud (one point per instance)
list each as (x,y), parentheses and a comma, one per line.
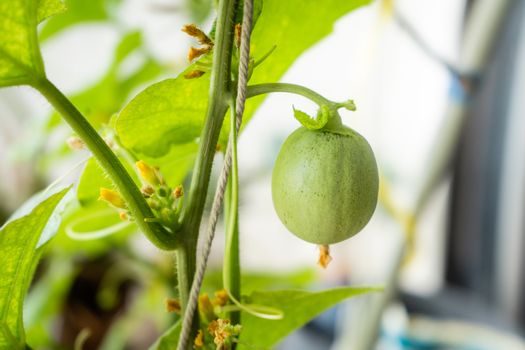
(75,143)
(153,203)
(206,308)
(199,340)
(112,197)
(194,52)
(194,74)
(163,191)
(149,173)
(177,192)
(173,305)
(147,191)
(192,30)
(238,32)
(221,298)
(168,216)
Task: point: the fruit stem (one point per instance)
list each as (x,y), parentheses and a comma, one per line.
(334,122)
(259,89)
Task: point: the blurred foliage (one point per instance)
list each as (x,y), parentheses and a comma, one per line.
(101,100)
(252,281)
(298,307)
(78,11)
(169,339)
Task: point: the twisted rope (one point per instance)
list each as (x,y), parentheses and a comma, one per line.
(223,178)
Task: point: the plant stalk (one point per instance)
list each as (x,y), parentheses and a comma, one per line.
(220,82)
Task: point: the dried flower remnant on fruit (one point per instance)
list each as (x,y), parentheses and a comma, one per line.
(123,216)
(194,74)
(112,197)
(173,305)
(223,332)
(324,256)
(150,174)
(75,143)
(199,340)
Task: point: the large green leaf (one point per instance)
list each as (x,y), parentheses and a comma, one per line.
(20,60)
(48,8)
(169,339)
(298,307)
(172,112)
(18,260)
(166,113)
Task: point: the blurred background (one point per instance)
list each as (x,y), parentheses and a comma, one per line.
(439,93)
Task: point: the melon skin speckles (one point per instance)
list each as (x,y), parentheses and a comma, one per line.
(325,184)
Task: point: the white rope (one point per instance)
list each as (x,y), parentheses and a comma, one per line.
(223,178)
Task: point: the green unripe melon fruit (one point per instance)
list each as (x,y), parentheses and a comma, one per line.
(325,184)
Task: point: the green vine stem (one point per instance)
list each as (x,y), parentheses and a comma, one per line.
(109,162)
(231,266)
(220,82)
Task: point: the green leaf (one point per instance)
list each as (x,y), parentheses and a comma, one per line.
(166,113)
(18,260)
(254,280)
(48,8)
(54,221)
(7,340)
(172,112)
(310,123)
(299,307)
(90,182)
(300,25)
(257,8)
(169,339)
(175,165)
(78,11)
(20,57)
